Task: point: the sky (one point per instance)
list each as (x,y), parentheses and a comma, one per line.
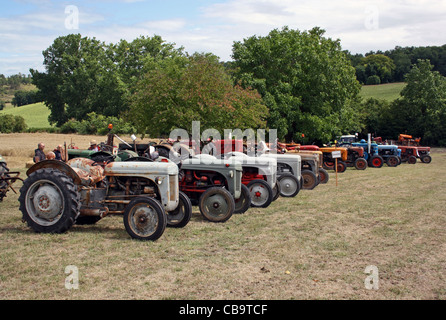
(28,27)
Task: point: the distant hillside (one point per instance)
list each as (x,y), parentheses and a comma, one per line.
(390,91)
(35,115)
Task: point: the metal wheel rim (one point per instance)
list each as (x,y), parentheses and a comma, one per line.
(259,194)
(308,180)
(288,186)
(41,198)
(376,162)
(143,220)
(215,205)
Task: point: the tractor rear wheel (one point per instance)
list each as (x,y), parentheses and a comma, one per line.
(49,201)
(361,164)
(216,204)
(180,217)
(145,219)
(261,193)
(310,179)
(243,203)
(289,185)
(392,161)
(412,160)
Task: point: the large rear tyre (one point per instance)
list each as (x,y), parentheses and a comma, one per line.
(243,203)
(145,219)
(180,217)
(289,185)
(261,193)
(217,204)
(376,161)
(49,201)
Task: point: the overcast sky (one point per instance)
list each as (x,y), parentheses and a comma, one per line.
(27,27)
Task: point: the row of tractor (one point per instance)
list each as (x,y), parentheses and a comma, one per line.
(155,185)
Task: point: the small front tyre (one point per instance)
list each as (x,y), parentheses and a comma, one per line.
(216,204)
(145,219)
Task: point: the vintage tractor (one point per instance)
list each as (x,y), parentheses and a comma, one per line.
(311,168)
(56,195)
(390,154)
(351,156)
(7,179)
(289,175)
(410,154)
(370,153)
(215,185)
(259,176)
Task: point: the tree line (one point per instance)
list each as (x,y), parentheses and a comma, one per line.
(299,82)
(376,67)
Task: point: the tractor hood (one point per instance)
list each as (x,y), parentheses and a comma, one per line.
(144,168)
(266,165)
(205,161)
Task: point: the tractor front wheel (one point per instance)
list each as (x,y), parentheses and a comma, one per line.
(361,164)
(217,204)
(145,219)
(412,160)
(392,161)
(426,159)
(261,193)
(289,185)
(310,179)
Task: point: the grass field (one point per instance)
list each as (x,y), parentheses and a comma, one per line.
(35,115)
(388,92)
(314,246)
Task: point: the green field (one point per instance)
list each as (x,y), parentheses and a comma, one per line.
(389,92)
(35,115)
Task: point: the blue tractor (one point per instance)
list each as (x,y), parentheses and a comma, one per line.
(390,154)
(371,153)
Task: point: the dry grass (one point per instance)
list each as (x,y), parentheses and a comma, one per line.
(314,246)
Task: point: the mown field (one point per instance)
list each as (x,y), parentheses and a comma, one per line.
(314,246)
(389,92)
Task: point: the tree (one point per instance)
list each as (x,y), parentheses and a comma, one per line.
(85,75)
(379,65)
(305,79)
(421,110)
(193,88)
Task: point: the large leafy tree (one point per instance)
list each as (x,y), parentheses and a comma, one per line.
(305,79)
(194,88)
(85,75)
(421,110)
